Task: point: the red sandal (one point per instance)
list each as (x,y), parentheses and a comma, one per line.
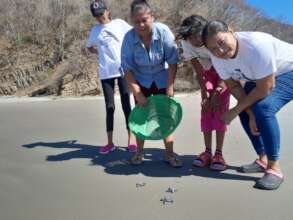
(218,163)
(202,160)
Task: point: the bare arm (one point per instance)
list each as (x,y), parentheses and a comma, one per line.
(262,89)
(139,96)
(215,96)
(238,92)
(132,83)
(199,76)
(235,89)
(172,70)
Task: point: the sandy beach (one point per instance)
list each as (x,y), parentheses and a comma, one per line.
(50,168)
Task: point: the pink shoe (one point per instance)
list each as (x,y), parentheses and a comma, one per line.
(203,160)
(132,148)
(107,148)
(218,163)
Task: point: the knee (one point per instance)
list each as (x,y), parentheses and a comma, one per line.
(263,109)
(110,108)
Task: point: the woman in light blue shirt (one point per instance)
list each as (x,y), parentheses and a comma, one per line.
(149,59)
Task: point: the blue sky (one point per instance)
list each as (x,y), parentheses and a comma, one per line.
(277,9)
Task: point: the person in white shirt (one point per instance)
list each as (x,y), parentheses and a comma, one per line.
(106,39)
(265,63)
(214,93)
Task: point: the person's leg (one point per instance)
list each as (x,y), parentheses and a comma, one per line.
(204,158)
(212,81)
(219,125)
(260,164)
(206,122)
(138,157)
(168,141)
(170,156)
(265,111)
(268,125)
(265,114)
(126,106)
(215,119)
(218,162)
(220,136)
(206,128)
(124,98)
(108,90)
(257,141)
(208,141)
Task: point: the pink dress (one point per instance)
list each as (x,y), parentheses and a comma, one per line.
(212,120)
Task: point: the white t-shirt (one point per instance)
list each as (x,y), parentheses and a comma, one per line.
(259,55)
(201,53)
(108,39)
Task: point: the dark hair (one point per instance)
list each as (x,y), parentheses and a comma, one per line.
(138,5)
(193,24)
(212,28)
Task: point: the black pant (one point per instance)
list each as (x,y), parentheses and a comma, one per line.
(108,90)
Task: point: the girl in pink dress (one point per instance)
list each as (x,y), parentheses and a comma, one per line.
(214,93)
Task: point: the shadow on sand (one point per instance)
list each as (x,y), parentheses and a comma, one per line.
(117,162)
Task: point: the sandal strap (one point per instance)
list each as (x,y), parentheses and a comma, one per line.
(204,156)
(174,161)
(275,173)
(261,164)
(218,159)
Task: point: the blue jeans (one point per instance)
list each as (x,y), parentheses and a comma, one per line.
(268,142)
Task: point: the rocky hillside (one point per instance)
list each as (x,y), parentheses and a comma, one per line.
(42,43)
